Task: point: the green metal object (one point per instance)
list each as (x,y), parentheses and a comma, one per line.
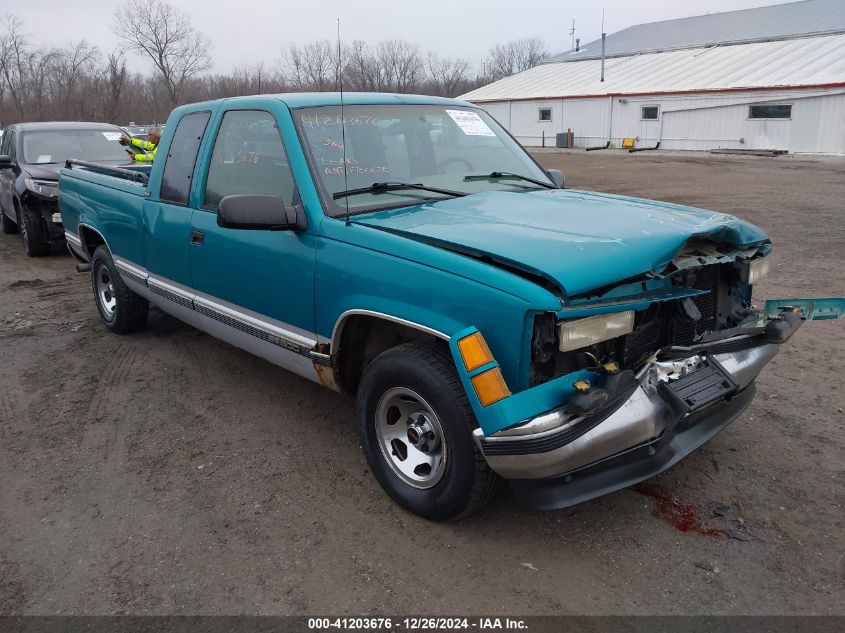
(811,309)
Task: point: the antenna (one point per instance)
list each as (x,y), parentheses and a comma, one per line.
(572,33)
(342,123)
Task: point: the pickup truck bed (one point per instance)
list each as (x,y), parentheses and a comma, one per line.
(79,190)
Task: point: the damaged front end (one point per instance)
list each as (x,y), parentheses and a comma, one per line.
(645,371)
(704,294)
(40,199)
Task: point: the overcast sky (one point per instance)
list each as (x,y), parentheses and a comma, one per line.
(247,31)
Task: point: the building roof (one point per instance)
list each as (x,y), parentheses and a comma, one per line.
(780,21)
(803,62)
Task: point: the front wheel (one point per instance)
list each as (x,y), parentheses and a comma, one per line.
(121,310)
(34,242)
(415,425)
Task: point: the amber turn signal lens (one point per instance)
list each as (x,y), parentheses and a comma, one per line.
(474,351)
(490,386)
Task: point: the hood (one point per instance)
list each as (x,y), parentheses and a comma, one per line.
(577,240)
(43,172)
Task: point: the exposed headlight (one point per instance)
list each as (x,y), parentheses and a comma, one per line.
(584,332)
(756,269)
(43,188)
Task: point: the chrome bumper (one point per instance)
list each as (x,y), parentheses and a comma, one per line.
(550,446)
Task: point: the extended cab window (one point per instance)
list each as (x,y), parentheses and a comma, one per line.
(182,156)
(248,157)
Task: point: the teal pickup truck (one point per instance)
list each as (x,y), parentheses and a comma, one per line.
(492,324)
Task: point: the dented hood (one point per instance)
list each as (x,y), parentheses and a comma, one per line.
(578,240)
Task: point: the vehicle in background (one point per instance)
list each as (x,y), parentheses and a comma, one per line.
(31,155)
(408,251)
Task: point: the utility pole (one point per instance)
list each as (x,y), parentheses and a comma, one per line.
(603,44)
(572,34)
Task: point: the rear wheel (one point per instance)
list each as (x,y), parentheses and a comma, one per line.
(32,235)
(6,224)
(121,310)
(415,425)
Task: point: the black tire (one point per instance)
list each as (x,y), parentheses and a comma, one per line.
(466,483)
(32,234)
(6,224)
(121,310)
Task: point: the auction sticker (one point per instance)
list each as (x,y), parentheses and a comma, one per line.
(470,123)
(112,136)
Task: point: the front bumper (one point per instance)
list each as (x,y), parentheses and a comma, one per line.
(48,215)
(559,459)
(633,465)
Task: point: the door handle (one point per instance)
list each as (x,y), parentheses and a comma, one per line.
(197,237)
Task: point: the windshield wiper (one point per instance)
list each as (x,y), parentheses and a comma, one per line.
(382,187)
(502,175)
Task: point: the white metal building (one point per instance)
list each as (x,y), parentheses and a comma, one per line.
(768,78)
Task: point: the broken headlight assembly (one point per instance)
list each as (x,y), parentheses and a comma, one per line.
(754,270)
(43,188)
(582,333)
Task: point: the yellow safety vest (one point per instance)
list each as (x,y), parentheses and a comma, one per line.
(147,147)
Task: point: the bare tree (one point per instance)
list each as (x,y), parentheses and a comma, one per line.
(401,65)
(361,70)
(248,79)
(114,77)
(165,35)
(446,77)
(15,60)
(76,81)
(514,57)
(71,67)
(312,66)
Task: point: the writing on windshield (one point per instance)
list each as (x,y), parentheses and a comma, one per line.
(435,146)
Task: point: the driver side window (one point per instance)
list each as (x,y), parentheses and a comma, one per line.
(248,158)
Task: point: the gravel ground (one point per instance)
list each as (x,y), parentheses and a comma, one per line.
(166,472)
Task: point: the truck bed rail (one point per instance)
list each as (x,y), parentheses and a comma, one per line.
(128,173)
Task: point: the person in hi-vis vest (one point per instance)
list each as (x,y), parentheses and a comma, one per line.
(150,147)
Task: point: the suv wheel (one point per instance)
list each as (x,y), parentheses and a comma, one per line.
(30,228)
(121,310)
(415,425)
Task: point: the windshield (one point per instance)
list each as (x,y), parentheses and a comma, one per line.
(435,146)
(56,146)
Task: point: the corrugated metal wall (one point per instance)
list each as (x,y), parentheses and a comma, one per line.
(689,122)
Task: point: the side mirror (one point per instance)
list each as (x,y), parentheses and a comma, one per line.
(259,213)
(557,177)
(5,162)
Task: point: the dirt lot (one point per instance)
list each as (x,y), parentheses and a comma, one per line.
(166,472)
